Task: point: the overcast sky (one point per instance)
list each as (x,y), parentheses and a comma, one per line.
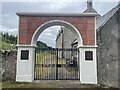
(10,19)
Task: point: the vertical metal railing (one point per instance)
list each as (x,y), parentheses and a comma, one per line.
(35,65)
(57,64)
(50,64)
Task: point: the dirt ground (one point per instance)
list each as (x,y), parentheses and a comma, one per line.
(52,84)
(65,84)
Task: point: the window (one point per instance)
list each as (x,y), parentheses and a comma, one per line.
(88,55)
(24,54)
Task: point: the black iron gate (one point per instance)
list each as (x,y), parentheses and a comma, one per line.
(57,64)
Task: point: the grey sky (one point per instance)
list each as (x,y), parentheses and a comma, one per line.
(10,19)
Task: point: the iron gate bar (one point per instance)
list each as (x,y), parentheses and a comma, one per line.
(35,65)
(57,68)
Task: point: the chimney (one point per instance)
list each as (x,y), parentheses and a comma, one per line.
(89,4)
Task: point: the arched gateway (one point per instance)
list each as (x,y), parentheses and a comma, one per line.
(31,25)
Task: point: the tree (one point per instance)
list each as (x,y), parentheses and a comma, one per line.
(9,38)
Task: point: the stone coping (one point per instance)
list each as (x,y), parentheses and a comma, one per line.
(85,46)
(54,14)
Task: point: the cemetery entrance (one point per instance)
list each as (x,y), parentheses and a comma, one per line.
(57,64)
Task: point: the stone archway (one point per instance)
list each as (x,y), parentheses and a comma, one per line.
(31,26)
(58,71)
(56,22)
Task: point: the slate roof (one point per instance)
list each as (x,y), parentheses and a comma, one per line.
(91,10)
(101,21)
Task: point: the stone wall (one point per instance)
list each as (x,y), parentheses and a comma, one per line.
(9,65)
(69,37)
(107,40)
(59,43)
(59,40)
(64,40)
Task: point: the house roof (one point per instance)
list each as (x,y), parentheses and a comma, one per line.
(101,21)
(91,10)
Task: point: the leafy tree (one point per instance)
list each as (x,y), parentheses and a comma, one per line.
(11,39)
(42,45)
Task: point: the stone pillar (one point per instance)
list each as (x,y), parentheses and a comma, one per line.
(88,68)
(25,67)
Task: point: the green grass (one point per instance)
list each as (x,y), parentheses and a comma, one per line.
(46,58)
(62,61)
(25,85)
(55,84)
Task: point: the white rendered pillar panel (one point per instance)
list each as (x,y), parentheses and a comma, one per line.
(88,69)
(25,68)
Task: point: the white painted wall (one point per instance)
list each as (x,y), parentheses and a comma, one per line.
(25,68)
(88,69)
